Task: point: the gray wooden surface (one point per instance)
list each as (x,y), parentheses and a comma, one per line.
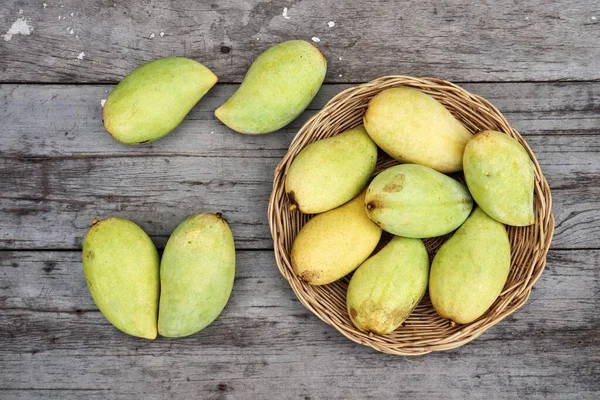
(535,60)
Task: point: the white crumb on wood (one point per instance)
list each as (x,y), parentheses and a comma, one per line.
(212,132)
(152,35)
(331,24)
(59,17)
(44,5)
(20,12)
(19,27)
(102,102)
(315,39)
(162,34)
(71,32)
(285,13)
(340,58)
(593,18)
(526,18)
(80,56)
(72,14)
(68,28)
(340,75)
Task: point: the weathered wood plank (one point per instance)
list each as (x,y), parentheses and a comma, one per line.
(461,40)
(55,344)
(59,168)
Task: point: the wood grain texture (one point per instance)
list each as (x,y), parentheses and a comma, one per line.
(55,344)
(460,40)
(59,169)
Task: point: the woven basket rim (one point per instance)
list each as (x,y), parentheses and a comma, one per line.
(527,263)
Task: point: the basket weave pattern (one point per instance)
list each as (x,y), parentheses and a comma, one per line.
(424,331)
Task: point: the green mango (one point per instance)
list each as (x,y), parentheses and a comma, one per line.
(330,172)
(470,269)
(417,202)
(413,127)
(279,85)
(499,174)
(153,99)
(387,287)
(333,244)
(120,264)
(196,275)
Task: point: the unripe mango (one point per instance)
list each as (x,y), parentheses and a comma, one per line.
(196,275)
(120,264)
(333,244)
(153,99)
(387,287)
(470,269)
(417,202)
(413,127)
(279,85)
(330,172)
(499,174)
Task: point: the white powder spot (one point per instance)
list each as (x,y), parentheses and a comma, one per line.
(71,32)
(81,55)
(331,24)
(593,18)
(20,12)
(59,17)
(285,14)
(340,75)
(340,58)
(44,5)
(162,34)
(72,14)
(19,27)
(212,132)
(102,102)
(257,38)
(315,39)
(526,18)
(152,36)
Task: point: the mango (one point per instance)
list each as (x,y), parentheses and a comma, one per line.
(499,174)
(330,172)
(387,287)
(470,269)
(120,264)
(417,202)
(197,270)
(335,243)
(152,100)
(279,85)
(413,127)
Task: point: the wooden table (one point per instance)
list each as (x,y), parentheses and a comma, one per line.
(537,61)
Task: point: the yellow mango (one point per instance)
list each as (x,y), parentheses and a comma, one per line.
(413,127)
(333,244)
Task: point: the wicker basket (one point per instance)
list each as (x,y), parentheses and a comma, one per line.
(424,331)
